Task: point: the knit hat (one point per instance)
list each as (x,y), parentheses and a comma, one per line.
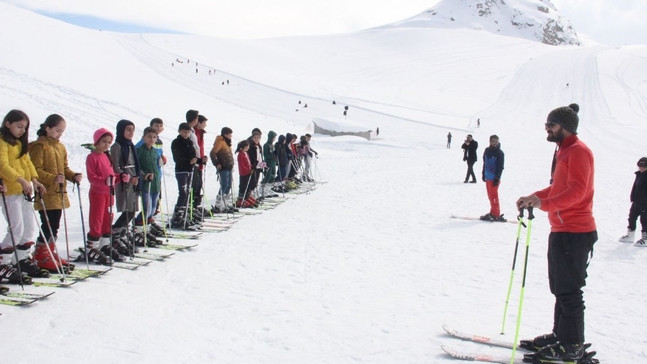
(566,117)
(100,133)
(642,161)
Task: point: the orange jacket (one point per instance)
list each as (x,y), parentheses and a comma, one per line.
(569,199)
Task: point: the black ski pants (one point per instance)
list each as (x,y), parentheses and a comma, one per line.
(54,217)
(470,171)
(568,259)
(197,187)
(635,211)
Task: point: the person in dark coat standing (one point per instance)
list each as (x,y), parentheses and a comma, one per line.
(469,155)
(449,140)
(638,206)
(493,160)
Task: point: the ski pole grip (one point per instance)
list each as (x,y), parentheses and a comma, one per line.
(530,214)
(520,216)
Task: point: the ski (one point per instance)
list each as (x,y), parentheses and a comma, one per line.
(182,235)
(480,339)
(214,225)
(16,301)
(479,219)
(152,256)
(176,246)
(486,358)
(80,272)
(28,295)
(53,282)
(212,229)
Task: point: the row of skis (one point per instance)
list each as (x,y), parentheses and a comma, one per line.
(174,241)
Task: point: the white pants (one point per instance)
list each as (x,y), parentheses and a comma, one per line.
(21,216)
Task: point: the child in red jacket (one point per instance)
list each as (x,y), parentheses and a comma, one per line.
(101,177)
(245,172)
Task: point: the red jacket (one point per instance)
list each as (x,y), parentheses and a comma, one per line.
(569,199)
(244,165)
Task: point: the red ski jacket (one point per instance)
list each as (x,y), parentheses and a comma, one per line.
(569,199)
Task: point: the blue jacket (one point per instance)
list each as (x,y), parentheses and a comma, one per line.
(493,159)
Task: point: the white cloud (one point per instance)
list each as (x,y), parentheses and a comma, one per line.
(616,22)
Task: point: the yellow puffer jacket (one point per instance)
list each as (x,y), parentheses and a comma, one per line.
(12,167)
(49,157)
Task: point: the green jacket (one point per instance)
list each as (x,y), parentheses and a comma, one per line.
(149,163)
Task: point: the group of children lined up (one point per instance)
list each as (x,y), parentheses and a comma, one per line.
(35,176)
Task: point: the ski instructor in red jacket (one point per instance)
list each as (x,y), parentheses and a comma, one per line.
(569,203)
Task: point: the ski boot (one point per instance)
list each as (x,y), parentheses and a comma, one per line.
(559,353)
(92,253)
(642,242)
(44,259)
(26,264)
(10,274)
(538,342)
(628,237)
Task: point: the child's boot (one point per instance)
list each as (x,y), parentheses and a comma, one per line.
(26,264)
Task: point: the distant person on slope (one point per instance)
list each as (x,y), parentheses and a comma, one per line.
(638,206)
(569,203)
(449,140)
(469,155)
(493,159)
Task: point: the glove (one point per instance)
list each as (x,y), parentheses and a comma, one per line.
(495,182)
(124,177)
(261,165)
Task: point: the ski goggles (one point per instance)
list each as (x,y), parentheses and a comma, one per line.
(642,164)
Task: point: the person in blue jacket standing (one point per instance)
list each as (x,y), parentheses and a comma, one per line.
(493,160)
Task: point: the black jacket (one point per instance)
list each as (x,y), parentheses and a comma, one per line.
(183,151)
(639,189)
(469,151)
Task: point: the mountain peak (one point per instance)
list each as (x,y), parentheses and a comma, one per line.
(530,19)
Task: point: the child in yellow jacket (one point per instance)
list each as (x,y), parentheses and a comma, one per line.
(18,174)
(49,157)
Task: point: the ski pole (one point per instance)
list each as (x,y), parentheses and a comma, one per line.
(67,240)
(13,239)
(205,200)
(189,188)
(59,266)
(514,261)
(85,238)
(523,284)
(164,219)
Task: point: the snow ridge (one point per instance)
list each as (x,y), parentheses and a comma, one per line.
(536,20)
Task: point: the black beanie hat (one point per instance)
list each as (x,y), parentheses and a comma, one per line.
(566,116)
(642,161)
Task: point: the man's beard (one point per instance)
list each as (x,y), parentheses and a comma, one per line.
(556,137)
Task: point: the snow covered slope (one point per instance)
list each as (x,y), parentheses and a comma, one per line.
(366,268)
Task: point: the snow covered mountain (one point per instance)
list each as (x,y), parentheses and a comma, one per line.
(530,19)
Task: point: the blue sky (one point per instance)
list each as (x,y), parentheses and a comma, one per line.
(616,22)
